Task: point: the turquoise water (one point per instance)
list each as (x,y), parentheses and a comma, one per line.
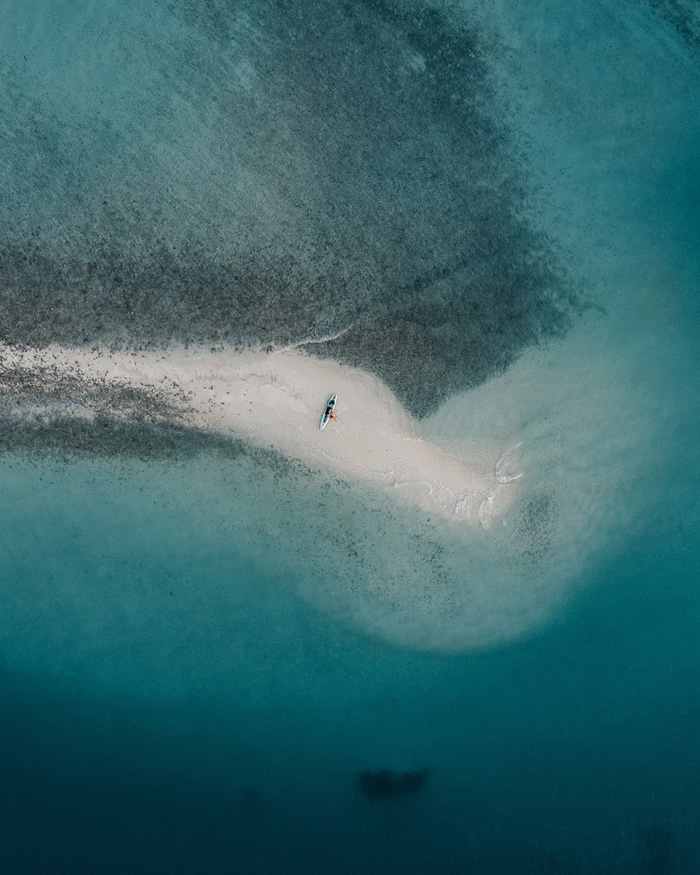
(201,647)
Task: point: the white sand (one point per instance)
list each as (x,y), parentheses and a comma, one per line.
(275,400)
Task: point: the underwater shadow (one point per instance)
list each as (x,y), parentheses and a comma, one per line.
(385,784)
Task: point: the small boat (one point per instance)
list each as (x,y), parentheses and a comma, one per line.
(330,407)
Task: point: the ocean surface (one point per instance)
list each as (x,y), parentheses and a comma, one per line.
(493,207)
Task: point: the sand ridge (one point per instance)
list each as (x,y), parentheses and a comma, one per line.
(275,399)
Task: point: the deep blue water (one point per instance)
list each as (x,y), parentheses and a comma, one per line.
(505,202)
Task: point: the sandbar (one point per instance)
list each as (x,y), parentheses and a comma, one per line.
(274,399)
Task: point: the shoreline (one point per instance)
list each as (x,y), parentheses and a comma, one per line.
(275,400)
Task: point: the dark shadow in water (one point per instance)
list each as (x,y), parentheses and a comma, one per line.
(385,784)
(251,799)
(658,858)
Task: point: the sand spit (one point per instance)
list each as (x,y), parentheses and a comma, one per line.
(274,400)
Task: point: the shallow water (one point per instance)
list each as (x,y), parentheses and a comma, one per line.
(201,646)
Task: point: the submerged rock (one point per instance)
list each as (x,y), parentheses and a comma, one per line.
(385,783)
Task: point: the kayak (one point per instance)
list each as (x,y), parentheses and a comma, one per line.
(330,407)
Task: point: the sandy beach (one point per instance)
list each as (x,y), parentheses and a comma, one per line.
(275,399)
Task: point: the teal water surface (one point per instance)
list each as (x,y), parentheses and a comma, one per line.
(202,648)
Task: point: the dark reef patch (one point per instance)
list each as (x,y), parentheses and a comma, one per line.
(47,391)
(185,296)
(107,436)
(535,526)
(683,16)
(328,168)
(67,439)
(50,412)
